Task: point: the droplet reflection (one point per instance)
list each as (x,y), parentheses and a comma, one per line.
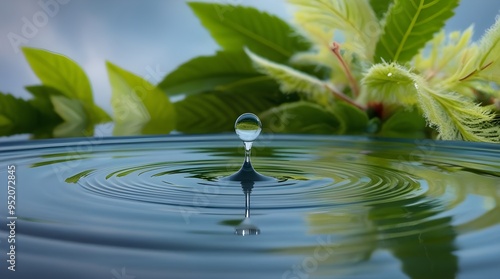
(246,227)
(248,128)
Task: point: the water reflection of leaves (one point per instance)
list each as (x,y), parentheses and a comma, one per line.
(425,248)
(63,160)
(231,222)
(418,231)
(78,176)
(423,243)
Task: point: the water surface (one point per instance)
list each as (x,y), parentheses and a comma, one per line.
(339,207)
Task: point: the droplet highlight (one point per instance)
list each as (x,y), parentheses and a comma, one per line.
(248,127)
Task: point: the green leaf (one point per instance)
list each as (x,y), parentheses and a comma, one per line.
(75,123)
(227,70)
(352,120)
(409,25)
(380,7)
(63,74)
(97,114)
(355,19)
(490,46)
(292,80)
(43,104)
(405,123)
(213,112)
(236,27)
(139,107)
(390,84)
(59,72)
(455,117)
(320,61)
(16,115)
(301,117)
(444,55)
(481,62)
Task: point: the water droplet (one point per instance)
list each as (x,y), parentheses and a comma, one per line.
(248,127)
(389,74)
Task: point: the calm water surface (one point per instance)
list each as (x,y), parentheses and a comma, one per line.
(340,207)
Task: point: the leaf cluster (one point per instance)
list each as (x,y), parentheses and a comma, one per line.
(62,106)
(377,67)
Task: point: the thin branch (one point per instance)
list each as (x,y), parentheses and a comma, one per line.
(339,95)
(335,48)
(475,72)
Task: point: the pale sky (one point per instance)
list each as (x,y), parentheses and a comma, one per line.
(149,38)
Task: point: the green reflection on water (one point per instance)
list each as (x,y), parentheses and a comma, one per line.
(419,231)
(416,231)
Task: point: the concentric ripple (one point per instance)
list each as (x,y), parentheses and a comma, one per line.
(337,207)
(319,185)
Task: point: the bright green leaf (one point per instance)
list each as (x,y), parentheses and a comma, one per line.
(16,115)
(213,112)
(320,61)
(481,62)
(292,80)
(139,107)
(63,74)
(445,55)
(455,117)
(223,71)
(75,123)
(355,19)
(380,7)
(59,72)
(236,27)
(409,25)
(43,104)
(390,84)
(300,117)
(405,123)
(98,115)
(490,46)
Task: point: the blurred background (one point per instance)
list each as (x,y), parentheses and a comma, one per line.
(149,38)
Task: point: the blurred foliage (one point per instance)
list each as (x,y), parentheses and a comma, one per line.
(380,68)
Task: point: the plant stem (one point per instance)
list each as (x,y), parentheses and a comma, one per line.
(335,48)
(475,72)
(344,97)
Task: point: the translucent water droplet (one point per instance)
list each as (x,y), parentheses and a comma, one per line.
(389,74)
(248,127)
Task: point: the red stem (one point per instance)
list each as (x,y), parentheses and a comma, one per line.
(335,48)
(344,97)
